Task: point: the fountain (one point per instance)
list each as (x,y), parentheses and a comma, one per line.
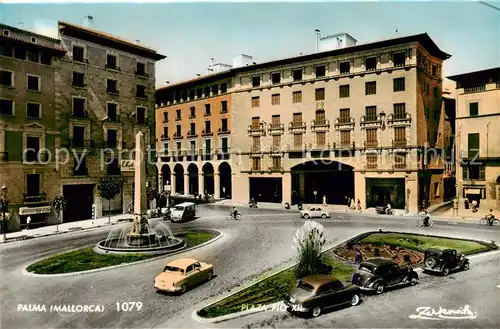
(139,236)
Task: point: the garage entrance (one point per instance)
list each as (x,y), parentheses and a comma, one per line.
(79,202)
(266,189)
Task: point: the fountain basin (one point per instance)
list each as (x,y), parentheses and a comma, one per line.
(118,246)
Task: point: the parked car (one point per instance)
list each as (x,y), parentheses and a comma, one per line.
(376,274)
(183,212)
(315,212)
(315,293)
(181,274)
(444,261)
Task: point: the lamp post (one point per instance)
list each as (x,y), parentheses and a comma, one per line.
(167,189)
(315,193)
(4,204)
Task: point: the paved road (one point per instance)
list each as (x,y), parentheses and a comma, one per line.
(260,241)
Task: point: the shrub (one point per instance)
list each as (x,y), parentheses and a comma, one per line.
(309,241)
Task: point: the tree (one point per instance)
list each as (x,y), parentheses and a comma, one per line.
(309,241)
(109,188)
(59,205)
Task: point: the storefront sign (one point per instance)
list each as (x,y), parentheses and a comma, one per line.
(34,210)
(127,165)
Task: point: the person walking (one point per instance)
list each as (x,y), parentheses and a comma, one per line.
(28,223)
(455,206)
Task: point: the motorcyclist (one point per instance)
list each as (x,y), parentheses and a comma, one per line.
(253,202)
(426,218)
(388,208)
(234,212)
(490,217)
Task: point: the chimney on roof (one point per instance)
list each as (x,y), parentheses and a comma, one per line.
(88,21)
(336,41)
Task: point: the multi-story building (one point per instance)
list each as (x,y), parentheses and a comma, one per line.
(86,98)
(363,121)
(28,65)
(105,95)
(478,138)
(193,136)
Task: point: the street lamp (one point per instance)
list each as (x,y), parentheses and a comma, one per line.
(315,193)
(167,189)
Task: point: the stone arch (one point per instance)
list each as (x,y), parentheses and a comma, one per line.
(193,173)
(166,173)
(225,176)
(325,176)
(208,178)
(179,178)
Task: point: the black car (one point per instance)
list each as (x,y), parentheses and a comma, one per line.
(314,293)
(376,274)
(444,261)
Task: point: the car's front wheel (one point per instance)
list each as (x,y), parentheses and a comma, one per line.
(413,280)
(306,216)
(355,300)
(316,311)
(466,266)
(210,275)
(379,288)
(183,288)
(446,270)
(323,216)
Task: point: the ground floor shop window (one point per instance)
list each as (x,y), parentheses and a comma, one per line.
(381,191)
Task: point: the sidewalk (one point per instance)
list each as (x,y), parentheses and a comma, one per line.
(467,214)
(66,227)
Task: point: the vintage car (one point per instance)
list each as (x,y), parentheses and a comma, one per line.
(444,261)
(376,274)
(315,293)
(315,212)
(181,274)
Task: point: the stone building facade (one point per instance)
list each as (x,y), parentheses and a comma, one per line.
(96,94)
(353,122)
(194,141)
(478,137)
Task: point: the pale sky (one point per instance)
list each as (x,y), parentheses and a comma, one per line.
(190,34)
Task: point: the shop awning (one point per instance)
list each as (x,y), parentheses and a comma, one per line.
(472,191)
(23,211)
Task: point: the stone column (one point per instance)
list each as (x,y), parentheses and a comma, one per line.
(286,186)
(98,203)
(216,186)
(201,184)
(173,184)
(186,184)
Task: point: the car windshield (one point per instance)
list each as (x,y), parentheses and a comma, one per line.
(305,286)
(366,268)
(179,208)
(173,269)
(433,253)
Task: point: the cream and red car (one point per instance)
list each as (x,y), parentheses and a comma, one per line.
(181,274)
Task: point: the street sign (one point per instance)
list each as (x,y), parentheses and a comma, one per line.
(127,165)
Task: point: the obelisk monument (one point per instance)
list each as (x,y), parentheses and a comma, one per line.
(140,198)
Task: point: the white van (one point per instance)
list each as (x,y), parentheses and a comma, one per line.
(183,212)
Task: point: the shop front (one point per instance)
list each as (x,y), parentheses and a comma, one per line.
(39,215)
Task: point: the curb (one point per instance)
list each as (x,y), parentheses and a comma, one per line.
(262,308)
(25,272)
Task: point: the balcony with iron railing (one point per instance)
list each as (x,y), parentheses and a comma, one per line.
(345,145)
(256,129)
(320,125)
(223,154)
(224,131)
(207,132)
(399,143)
(192,133)
(34,156)
(297,125)
(344,121)
(206,154)
(192,155)
(402,117)
(276,128)
(35,199)
(178,135)
(371,144)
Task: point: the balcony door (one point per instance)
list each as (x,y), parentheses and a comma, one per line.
(33,147)
(78,136)
(32,184)
(112,138)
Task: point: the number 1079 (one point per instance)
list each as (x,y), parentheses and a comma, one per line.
(128,306)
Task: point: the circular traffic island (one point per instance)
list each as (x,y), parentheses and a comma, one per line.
(86,259)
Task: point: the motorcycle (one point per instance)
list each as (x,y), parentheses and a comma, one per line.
(167,215)
(253,205)
(384,211)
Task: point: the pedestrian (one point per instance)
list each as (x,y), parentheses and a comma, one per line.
(348,202)
(455,206)
(359,205)
(324,201)
(28,223)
